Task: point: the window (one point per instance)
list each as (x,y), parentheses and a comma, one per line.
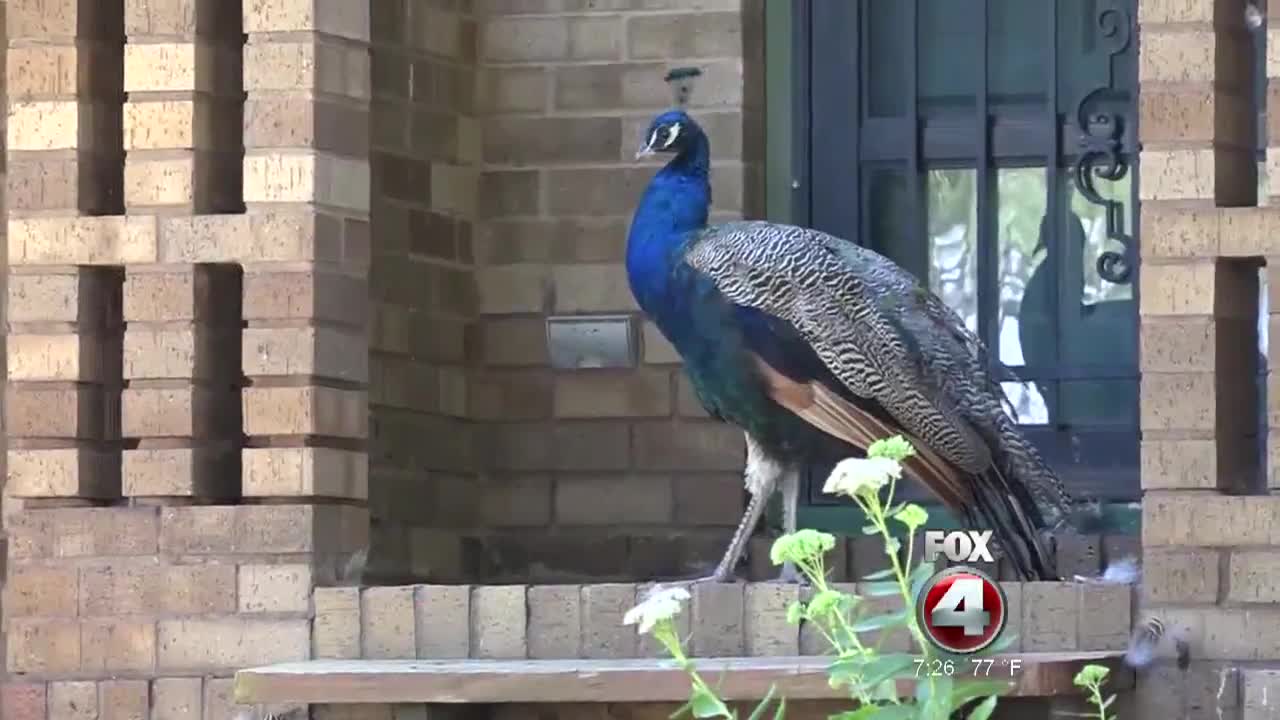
(990,147)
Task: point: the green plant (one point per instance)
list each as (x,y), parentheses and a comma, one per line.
(1091,678)
(943,684)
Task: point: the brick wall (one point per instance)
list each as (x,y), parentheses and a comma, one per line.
(621,460)
(425,147)
(186,307)
(1207,541)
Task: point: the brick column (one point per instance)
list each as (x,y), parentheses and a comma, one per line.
(305,351)
(1202,245)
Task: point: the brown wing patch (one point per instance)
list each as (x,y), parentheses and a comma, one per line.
(820,407)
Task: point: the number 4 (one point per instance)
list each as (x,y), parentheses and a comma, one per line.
(948,613)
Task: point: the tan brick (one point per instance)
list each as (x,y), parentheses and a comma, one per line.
(637,393)
(83,532)
(305,472)
(1180,230)
(81,296)
(603,634)
(305,178)
(1179,464)
(1177,57)
(1249,576)
(61,357)
(513,289)
(231,642)
(1179,174)
(768,633)
(263,529)
(305,411)
(40,411)
(541,141)
(631,85)
(1180,575)
(513,341)
(1208,519)
(148,588)
(1181,289)
(24,700)
(717,620)
(657,349)
(1177,345)
(387,623)
(34,590)
(509,89)
(443,628)
(43,125)
(555,621)
(256,237)
(336,633)
(1175,11)
(76,700)
(82,241)
(124,699)
(595,191)
(43,646)
(306,295)
(41,71)
(558,39)
(191,411)
(708,499)
(118,645)
(206,293)
(332,17)
(274,588)
(1050,616)
(703,34)
(42,182)
(180,472)
(305,351)
(219,699)
(688,446)
(187,351)
(1104,617)
(71,472)
(498,621)
(613,500)
(177,698)
(1178,401)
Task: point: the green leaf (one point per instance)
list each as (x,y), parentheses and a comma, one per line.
(887,667)
(866,712)
(876,622)
(781,712)
(764,705)
(984,709)
(795,611)
(919,576)
(681,711)
(973,689)
(1091,675)
(870,530)
(896,712)
(880,588)
(706,705)
(879,574)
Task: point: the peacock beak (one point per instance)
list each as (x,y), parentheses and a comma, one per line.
(645,151)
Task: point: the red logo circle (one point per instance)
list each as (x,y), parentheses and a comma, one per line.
(961,610)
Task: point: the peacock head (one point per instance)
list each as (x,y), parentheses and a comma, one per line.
(673,131)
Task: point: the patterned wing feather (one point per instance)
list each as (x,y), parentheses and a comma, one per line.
(883,335)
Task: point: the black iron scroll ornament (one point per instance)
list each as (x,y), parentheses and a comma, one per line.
(1101,132)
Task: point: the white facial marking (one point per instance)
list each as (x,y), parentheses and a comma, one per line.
(675,132)
(653,138)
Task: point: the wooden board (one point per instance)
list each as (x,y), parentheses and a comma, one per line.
(641,680)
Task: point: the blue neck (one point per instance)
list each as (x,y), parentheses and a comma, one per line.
(676,203)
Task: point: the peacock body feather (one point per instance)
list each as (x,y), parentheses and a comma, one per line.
(815,346)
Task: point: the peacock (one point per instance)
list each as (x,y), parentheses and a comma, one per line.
(816,347)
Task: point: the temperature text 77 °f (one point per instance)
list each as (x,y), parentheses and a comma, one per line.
(997,667)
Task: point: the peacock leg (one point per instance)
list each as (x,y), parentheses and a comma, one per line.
(790,506)
(761,477)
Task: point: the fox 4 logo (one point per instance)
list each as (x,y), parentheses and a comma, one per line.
(958,546)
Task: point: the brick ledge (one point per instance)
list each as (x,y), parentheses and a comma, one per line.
(633,680)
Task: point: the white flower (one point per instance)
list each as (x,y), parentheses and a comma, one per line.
(856,476)
(661,604)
